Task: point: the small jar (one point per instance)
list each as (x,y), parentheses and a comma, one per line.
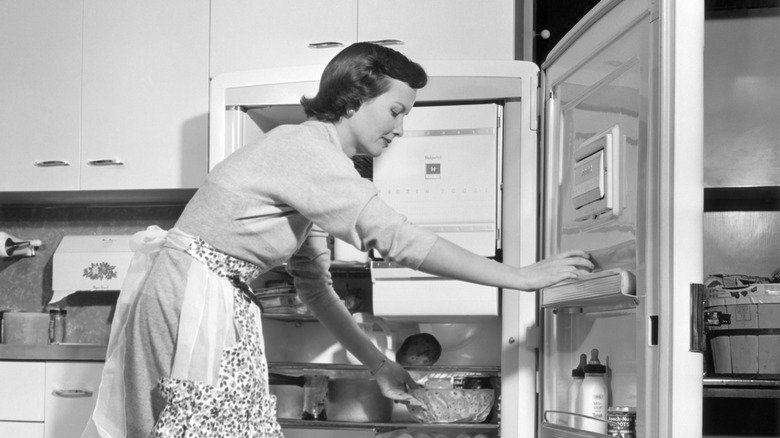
(57,325)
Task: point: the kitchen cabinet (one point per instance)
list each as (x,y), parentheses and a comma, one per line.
(145,94)
(250,34)
(40,84)
(47,399)
(118,100)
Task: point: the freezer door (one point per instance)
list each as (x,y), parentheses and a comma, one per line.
(619,167)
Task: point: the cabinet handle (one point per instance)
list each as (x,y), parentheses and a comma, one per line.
(51,163)
(105,163)
(325,45)
(387,42)
(72,393)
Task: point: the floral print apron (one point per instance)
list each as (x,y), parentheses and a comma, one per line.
(239,405)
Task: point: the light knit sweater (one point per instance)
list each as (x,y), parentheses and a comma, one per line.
(262,202)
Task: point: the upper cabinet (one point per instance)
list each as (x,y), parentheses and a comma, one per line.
(40,94)
(145,94)
(252,34)
(103,95)
(441,29)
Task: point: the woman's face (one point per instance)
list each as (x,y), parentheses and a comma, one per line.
(371,128)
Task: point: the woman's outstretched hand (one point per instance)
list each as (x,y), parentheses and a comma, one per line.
(395,382)
(567,265)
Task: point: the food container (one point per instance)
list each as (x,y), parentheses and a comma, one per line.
(289,401)
(357,400)
(26,328)
(743,329)
(281,300)
(456,405)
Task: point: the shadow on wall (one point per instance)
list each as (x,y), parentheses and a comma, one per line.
(26,283)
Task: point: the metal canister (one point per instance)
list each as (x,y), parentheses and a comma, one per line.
(622,421)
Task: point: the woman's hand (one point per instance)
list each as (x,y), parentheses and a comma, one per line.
(395,381)
(567,265)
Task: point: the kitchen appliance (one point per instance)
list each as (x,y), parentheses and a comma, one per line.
(599,150)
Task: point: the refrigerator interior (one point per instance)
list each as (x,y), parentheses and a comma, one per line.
(459,200)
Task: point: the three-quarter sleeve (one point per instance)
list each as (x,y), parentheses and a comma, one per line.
(310,269)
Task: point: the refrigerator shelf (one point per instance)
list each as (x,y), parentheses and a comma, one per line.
(379,428)
(339,368)
(614,287)
(736,387)
(550,430)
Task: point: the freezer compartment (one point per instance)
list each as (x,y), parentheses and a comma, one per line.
(444,173)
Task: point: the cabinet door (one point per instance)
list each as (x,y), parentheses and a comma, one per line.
(257,34)
(441,29)
(40,94)
(21,391)
(71,393)
(21,429)
(145,94)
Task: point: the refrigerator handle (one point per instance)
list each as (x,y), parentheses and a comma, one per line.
(698,337)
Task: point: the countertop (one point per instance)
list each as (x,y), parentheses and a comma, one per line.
(56,352)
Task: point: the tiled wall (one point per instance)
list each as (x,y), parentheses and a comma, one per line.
(26,283)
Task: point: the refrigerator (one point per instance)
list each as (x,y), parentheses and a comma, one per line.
(599,148)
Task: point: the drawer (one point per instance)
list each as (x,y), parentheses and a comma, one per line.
(21,429)
(22,386)
(71,392)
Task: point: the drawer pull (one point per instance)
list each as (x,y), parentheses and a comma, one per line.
(72,393)
(105,163)
(387,42)
(325,45)
(51,163)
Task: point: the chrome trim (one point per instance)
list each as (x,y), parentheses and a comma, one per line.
(51,163)
(325,45)
(105,162)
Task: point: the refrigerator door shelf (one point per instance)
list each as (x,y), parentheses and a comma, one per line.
(613,287)
(552,430)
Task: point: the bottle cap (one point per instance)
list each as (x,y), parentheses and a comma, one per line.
(595,366)
(580,370)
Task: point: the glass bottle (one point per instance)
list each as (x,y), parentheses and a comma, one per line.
(57,325)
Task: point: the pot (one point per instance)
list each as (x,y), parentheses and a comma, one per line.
(357,400)
(299,396)
(26,328)
(289,401)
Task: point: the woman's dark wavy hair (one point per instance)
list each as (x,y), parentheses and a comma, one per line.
(357,74)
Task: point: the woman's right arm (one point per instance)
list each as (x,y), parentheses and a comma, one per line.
(446,259)
(381,227)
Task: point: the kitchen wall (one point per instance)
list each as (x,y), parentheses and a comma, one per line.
(26,283)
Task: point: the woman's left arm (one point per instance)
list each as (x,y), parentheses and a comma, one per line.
(310,269)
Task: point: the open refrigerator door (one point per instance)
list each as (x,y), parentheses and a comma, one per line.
(620,172)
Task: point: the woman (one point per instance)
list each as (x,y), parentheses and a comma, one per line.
(186,353)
